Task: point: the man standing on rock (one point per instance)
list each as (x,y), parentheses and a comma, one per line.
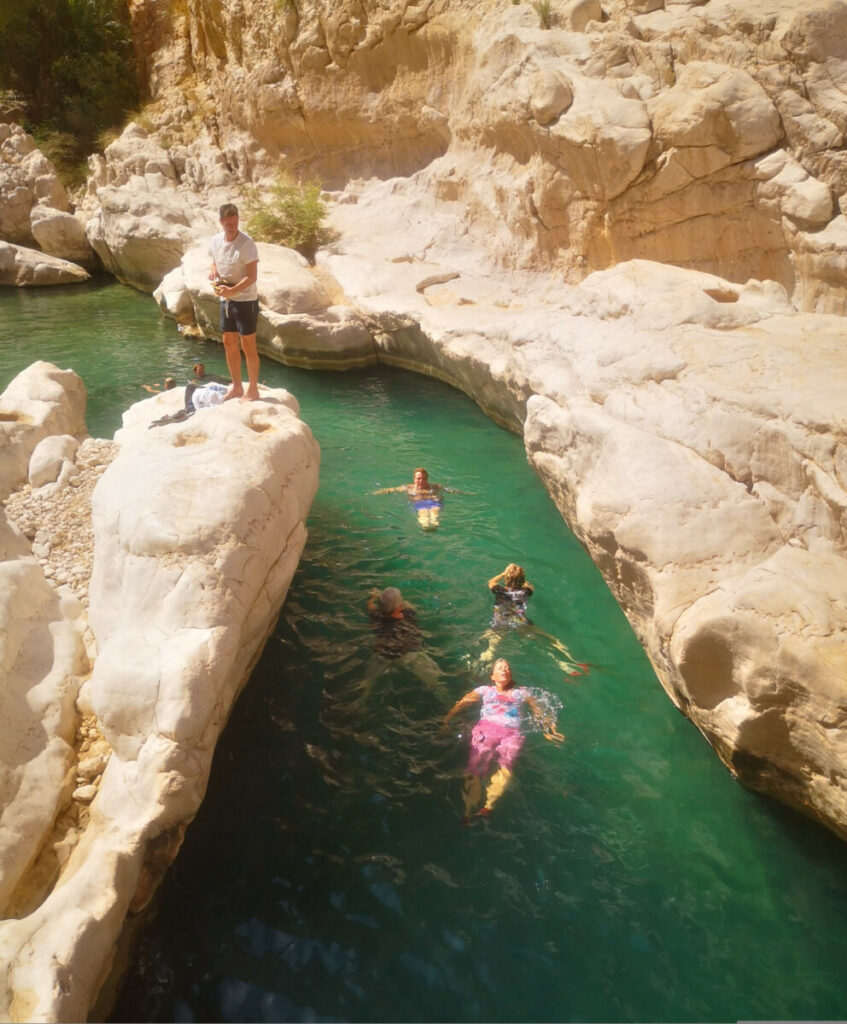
(235,262)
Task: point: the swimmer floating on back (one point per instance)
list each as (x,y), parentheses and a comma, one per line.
(497,736)
(511,591)
(425,497)
(167,384)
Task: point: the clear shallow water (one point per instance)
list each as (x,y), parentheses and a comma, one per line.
(623,877)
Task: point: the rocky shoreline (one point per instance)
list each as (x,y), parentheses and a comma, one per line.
(623,236)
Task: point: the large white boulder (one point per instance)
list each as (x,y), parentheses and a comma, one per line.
(42,400)
(20,267)
(198,529)
(61,234)
(51,457)
(27,178)
(141,230)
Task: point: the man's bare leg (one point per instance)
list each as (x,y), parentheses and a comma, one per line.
(233,364)
(251,357)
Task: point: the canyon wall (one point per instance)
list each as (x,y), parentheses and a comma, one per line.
(707,135)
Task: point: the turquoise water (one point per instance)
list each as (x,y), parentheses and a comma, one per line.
(623,877)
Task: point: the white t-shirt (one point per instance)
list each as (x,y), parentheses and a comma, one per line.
(209,395)
(231,259)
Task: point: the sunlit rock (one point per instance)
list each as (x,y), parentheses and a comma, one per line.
(22,267)
(141,230)
(41,401)
(42,657)
(61,234)
(198,528)
(27,178)
(50,459)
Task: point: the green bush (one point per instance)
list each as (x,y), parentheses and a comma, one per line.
(544,11)
(73,62)
(62,150)
(291,214)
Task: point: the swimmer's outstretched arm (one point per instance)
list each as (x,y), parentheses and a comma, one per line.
(464,702)
(547,722)
(391,490)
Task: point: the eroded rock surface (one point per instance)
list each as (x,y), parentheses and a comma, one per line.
(102,770)
(27,179)
(704,135)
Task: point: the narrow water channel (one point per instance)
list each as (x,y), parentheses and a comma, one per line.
(623,877)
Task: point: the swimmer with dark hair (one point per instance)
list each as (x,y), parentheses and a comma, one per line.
(426,498)
(497,736)
(511,591)
(201,378)
(398,639)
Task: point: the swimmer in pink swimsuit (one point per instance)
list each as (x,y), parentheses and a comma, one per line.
(497,736)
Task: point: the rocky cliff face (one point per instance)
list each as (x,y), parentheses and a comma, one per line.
(706,135)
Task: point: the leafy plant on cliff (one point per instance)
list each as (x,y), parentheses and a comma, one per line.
(73,62)
(291,213)
(544,10)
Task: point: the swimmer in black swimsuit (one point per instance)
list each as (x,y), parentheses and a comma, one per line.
(426,498)
(398,639)
(512,591)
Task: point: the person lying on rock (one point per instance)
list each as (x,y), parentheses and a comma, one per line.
(426,498)
(497,737)
(234,272)
(398,639)
(167,384)
(196,397)
(511,590)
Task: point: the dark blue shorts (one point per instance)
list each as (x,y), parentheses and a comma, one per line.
(239,317)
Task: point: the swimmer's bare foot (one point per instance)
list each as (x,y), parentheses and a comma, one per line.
(234,391)
(484,812)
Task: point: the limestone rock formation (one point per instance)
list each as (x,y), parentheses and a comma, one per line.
(59,233)
(42,658)
(624,131)
(100,776)
(27,178)
(20,267)
(42,400)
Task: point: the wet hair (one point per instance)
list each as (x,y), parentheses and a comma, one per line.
(419,469)
(169,383)
(389,600)
(198,369)
(228,210)
(514,576)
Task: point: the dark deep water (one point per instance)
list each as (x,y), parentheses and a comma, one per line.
(623,877)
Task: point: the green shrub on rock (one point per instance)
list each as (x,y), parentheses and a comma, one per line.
(290,213)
